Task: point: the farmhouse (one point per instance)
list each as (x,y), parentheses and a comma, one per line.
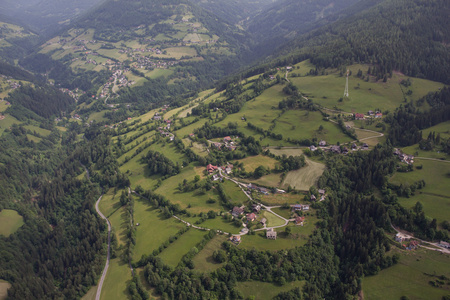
(299,221)
(399,237)
(256,208)
(297,207)
(312,148)
(444,244)
(378,115)
(271,234)
(322,143)
(305,207)
(215,177)
(210,168)
(227,139)
(263,221)
(237,211)
(251,217)
(354,147)
(335,149)
(365,146)
(359,116)
(236,239)
(313,197)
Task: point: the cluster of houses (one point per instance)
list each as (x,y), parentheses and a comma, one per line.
(75,94)
(338,149)
(211,170)
(228,143)
(403,239)
(371,114)
(409,159)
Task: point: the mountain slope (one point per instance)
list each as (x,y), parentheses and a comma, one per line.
(234,11)
(45,16)
(287,18)
(407,36)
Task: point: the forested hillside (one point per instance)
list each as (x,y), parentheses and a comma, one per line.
(406,36)
(286,19)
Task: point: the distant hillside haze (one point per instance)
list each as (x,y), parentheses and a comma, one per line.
(45,16)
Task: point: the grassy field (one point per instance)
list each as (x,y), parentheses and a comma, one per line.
(194,199)
(272,220)
(90,295)
(280,199)
(173,254)
(285,213)
(10,222)
(204,261)
(265,290)
(7,122)
(261,243)
(117,278)
(252,162)
(435,195)
(110,202)
(234,191)
(221,224)
(4,286)
(408,277)
(364,96)
(303,178)
(153,229)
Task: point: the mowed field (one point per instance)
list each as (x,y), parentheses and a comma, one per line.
(204,261)
(410,277)
(172,255)
(363,96)
(435,196)
(116,281)
(10,222)
(303,178)
(153,228)
(265,290)
(4,286)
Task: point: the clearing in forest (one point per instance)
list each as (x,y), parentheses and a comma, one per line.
(10,222)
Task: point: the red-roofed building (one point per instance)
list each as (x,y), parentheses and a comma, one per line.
(359,116)
(227,139)
(251,217)
(299,220)
(210,168)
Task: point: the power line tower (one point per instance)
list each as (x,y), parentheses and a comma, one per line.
(346,85)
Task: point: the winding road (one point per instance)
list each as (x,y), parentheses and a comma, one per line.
(105,270)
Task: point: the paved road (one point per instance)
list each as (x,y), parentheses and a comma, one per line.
(105,270)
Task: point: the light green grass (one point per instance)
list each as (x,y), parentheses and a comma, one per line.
(305,177)
(110,202)
(327,89)
(272,220)
(204,261)
(4,286)
(261,243)
(33,138)
(265,290)
(7,122)
(117,278)
(234,192)
(190,128)
(196,201)
(98,116)
(280,199)
(173,254)
(90,295)
(10,222)
(408,278)
(156,73)
(435,196)
(252,162)
(272,179)
(285,213)
(41,131)
(169,150)
(443,129)
(153,229)
(220,224)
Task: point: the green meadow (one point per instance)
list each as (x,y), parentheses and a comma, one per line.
(172,255)
(204,261)
(434,196)
(10,222)
(116,280)
(153,229)
(410,277)
(265,290)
